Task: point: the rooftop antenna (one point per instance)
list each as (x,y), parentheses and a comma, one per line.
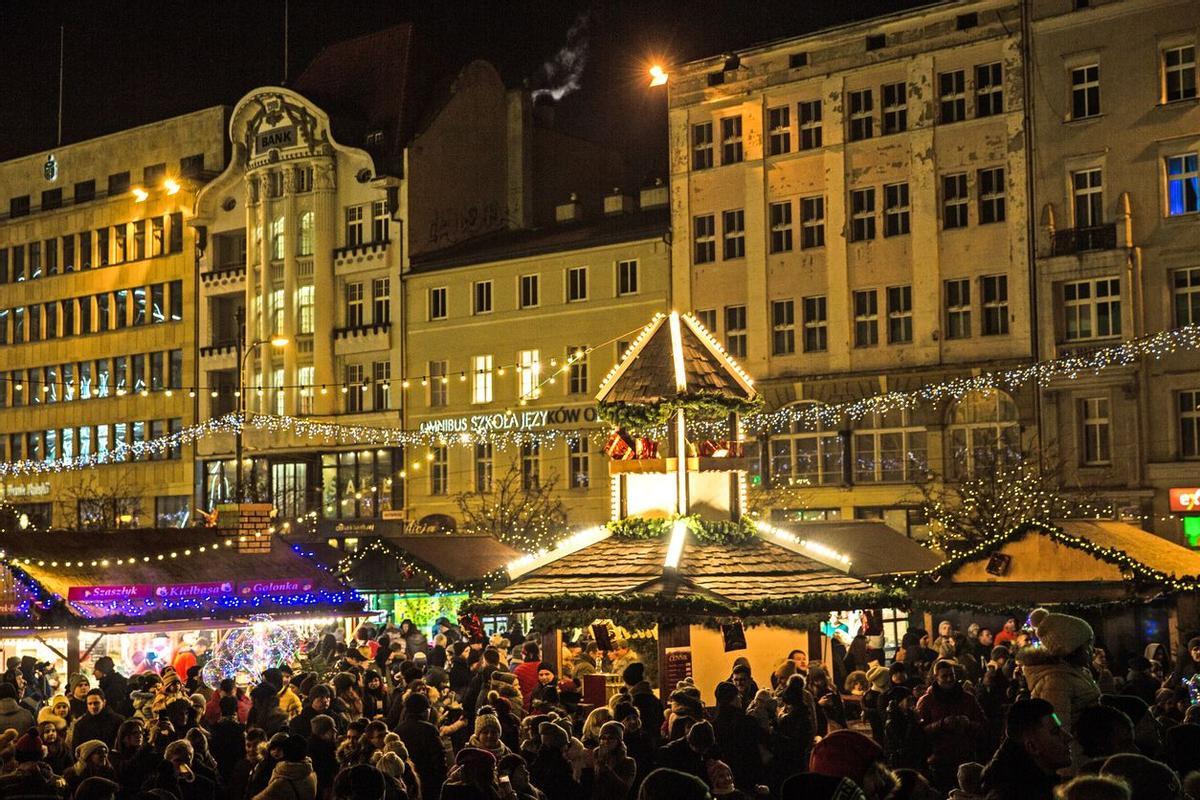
(285,42)
(61,50)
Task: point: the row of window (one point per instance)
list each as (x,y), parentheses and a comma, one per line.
(83,380)
(578,466)
(88,441)
(864,216)
(576,289)
(116,244)
(355,297)
(863,121)
(78,316)
(356,223)
(118,183)
(530,370)
(1177,71)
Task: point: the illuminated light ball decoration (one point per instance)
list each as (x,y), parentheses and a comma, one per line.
(250,650)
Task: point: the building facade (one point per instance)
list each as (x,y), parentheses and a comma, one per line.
(513,334)
(849,218)
(1116,137)
(97,292)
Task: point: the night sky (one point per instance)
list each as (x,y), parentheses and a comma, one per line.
(129,62)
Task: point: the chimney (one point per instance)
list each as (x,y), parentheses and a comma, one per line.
(655,196)
(617,203)
(570,211)
(520,160)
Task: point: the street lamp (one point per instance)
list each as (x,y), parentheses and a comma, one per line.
(658,75)
(277,340)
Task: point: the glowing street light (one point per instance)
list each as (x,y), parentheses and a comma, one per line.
(171,185)
(658,76)
(140,194)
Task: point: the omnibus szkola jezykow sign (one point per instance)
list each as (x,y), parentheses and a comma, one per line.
(179,591)
(510,420)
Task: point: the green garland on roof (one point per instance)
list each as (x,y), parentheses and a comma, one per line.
(706,531)
(635,417)
(643,620)
(1118,558)
(690,607)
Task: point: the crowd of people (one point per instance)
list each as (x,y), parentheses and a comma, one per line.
(1029,712)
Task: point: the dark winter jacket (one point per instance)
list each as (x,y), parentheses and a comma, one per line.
(551,772)
(649,707)
(116,693)
(952,740)
(102,726)
(425,749)
(738,740)
(227,743)
(1013,775)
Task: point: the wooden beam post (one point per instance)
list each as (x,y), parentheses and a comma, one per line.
(72,650)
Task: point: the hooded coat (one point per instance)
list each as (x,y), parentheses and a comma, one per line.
(291,780)
(1068,688)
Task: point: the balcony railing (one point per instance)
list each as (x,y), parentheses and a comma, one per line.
(1081,240)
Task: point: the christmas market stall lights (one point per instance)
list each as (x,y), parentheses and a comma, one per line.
(165,585)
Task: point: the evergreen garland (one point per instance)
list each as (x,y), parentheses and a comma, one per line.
(636,417)
(705,531)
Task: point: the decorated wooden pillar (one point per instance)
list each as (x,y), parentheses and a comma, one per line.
(552,649)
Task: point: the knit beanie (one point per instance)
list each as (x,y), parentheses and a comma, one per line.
(672,783)
(58,698)
(614,729)
(844,754)
(726,693)
(29,748)
(322,724)
(634,674)
(553,735)
(46,715)
(1147,779)
(878,677)
(1060,634)
(391,765)
(701,737)
(84,751)
(484,722)
(472,756)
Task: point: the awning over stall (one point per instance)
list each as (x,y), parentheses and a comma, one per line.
(874,548)
(429,563)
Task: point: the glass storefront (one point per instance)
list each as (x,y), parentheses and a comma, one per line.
(360,483)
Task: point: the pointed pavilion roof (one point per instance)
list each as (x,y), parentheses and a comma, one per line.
(674,356)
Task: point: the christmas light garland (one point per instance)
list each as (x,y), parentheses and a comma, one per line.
(437,582)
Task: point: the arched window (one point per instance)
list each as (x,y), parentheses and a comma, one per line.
(809,453)
(304,245)
(984,430)
(889,448)
(277,238)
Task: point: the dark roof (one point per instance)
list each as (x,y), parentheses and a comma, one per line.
(726,577)
(646,374)
(50,564)
(456,561)
(612,229)
(874,548)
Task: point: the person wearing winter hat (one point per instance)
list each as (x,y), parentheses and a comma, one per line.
(97,788)
(850,754)
(670,784)
(550,769)
(1057,670)
(58,755)
(293,777)
(360,782)
(91,758)
(1147,779)
(487,735)
(32,776)
(970,777)
(46,714)
(688,753)
(739,739)
(794,730)
(613,771)
(423,741)
(473,776)
(649,707)
(13,714)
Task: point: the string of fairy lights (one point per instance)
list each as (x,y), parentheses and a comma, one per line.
(499,432)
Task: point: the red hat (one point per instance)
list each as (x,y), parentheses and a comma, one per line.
(470,757)
(29,747)
(845,754)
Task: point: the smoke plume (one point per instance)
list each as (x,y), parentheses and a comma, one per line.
(563,74)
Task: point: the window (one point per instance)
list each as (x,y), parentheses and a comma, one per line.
(704,239)
(482,294)
(779,130)
(952,96)
(876,41)
(439,384)
(529,369)
(995,305)
(983,433)
(175,369)
(1183,184)
(627,277)
(783,325)
(85,191)
(381,381)
(577,284)
(1186,293)
(530,286)
(139,240)
(954,201)
(812,222)
(781,227)
(579,467)
(51,315)
(1092,309)
(176,241)
(862,108)
(120,250)
(439,470)
(810,124)
(895,209)
(156,371)
(862,214)
(304,245)
(176,295)
(577,372)
(354,304)
(483,467)
(50,247)
(102,247)
(989,89)
(1179,73)
(353,389)
(381,300)
(991,195)
(1096,430)
(379,221)
(139,305)
(85,250)
(157,231)
(305,300)
(866,318)
(531,465)
(1085,91)
(1189,424)
(702,145)
(809,453)
(18,206)
(889,448)
(899,308)
(816,325)
(121,307)
(731,140)
(481,379)
(277,242)
(708,319)
(733,234)
(354,226)
(895,107)
(958,308)
(735,330)
(437,303)
(1088,189)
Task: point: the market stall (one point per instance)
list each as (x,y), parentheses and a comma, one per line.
(129,594)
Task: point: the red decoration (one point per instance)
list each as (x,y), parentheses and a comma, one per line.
(646,448)
(619,447)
